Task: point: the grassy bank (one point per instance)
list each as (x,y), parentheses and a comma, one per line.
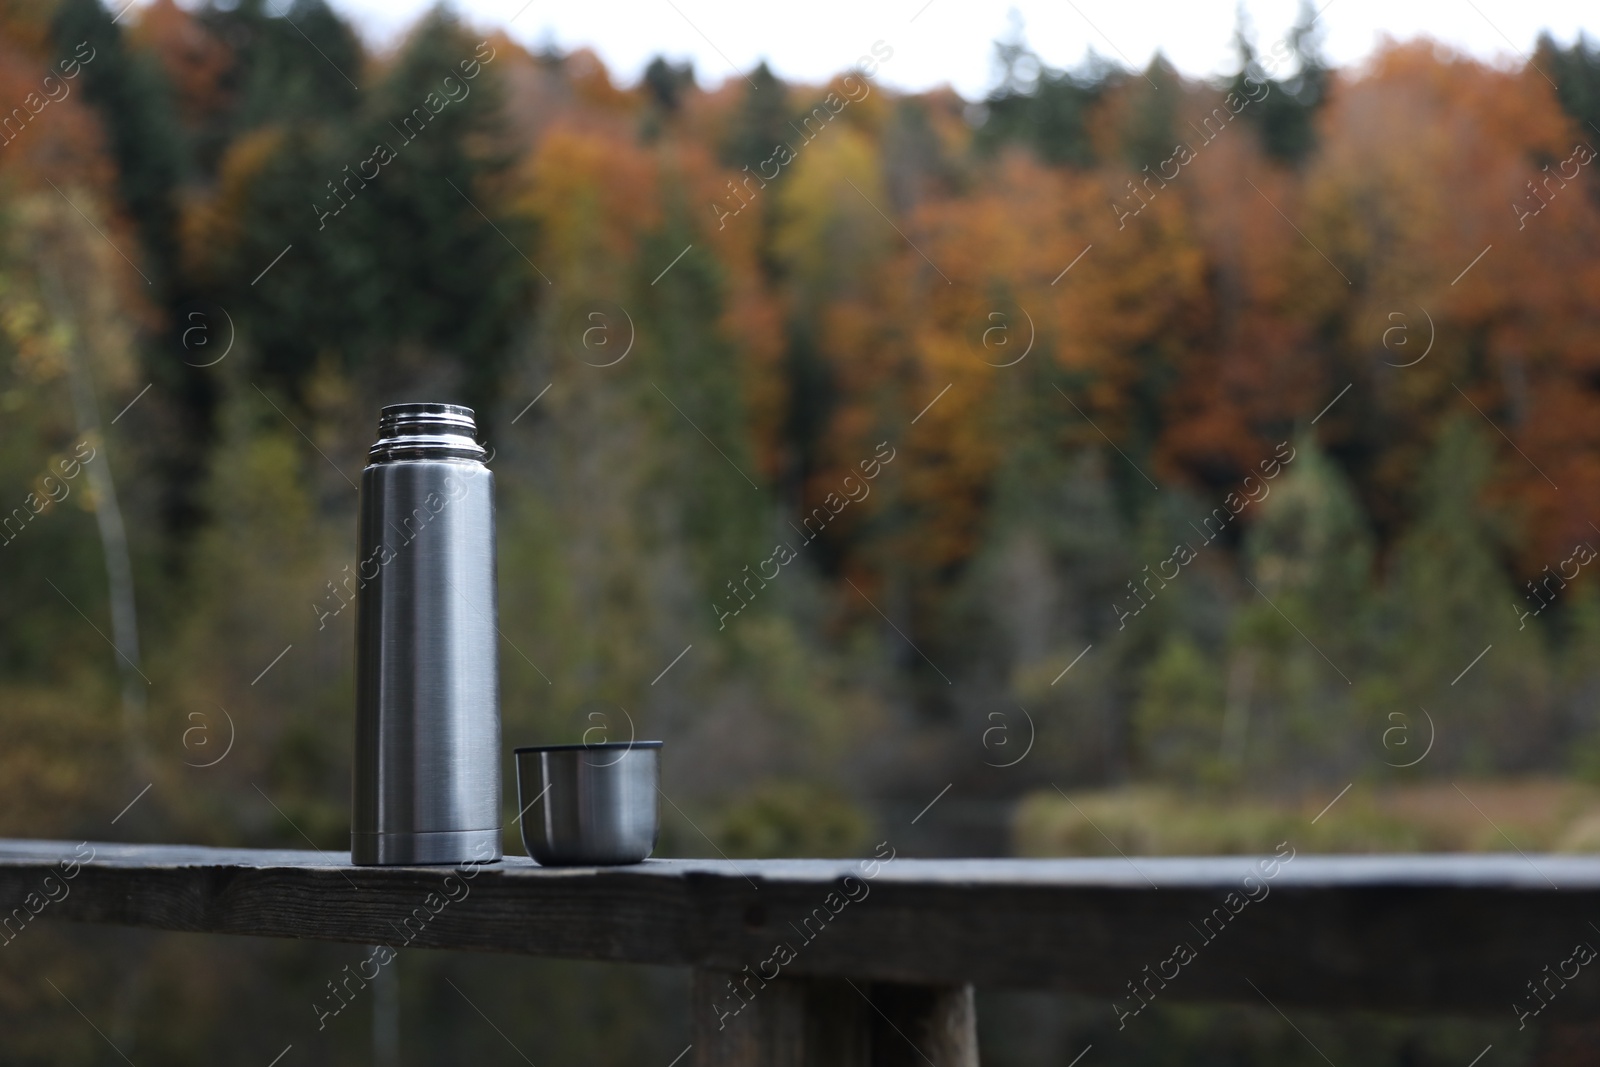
(1542,815)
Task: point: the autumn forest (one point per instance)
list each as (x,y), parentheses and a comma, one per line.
(1122,445)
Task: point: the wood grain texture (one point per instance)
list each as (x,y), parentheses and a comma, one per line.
(1396,933)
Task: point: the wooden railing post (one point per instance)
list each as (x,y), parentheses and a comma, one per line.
(915,1025)
(830,1022)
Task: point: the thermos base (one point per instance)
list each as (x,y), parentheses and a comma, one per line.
(413,849)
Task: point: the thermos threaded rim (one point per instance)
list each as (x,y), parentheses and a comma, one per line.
(426,431)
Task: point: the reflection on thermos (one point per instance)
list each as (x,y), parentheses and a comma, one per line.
(427,767)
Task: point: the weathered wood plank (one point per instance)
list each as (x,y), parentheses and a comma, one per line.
(1401,933)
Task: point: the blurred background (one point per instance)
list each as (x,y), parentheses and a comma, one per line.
(1083,455)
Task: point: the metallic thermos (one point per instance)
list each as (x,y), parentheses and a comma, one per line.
(427,767)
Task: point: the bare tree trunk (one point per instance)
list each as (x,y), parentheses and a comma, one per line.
(107,514)
(1236,716)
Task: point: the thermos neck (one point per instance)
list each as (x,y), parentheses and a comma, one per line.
(426,431)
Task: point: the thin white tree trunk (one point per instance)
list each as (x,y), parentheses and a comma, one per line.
(107,514)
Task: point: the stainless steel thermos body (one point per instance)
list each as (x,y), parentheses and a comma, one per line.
(427,760)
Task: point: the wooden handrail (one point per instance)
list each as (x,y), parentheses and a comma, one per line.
(1438,933)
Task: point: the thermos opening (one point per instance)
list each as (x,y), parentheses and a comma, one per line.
(426,431)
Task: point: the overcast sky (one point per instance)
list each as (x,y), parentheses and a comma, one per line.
(951,41)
